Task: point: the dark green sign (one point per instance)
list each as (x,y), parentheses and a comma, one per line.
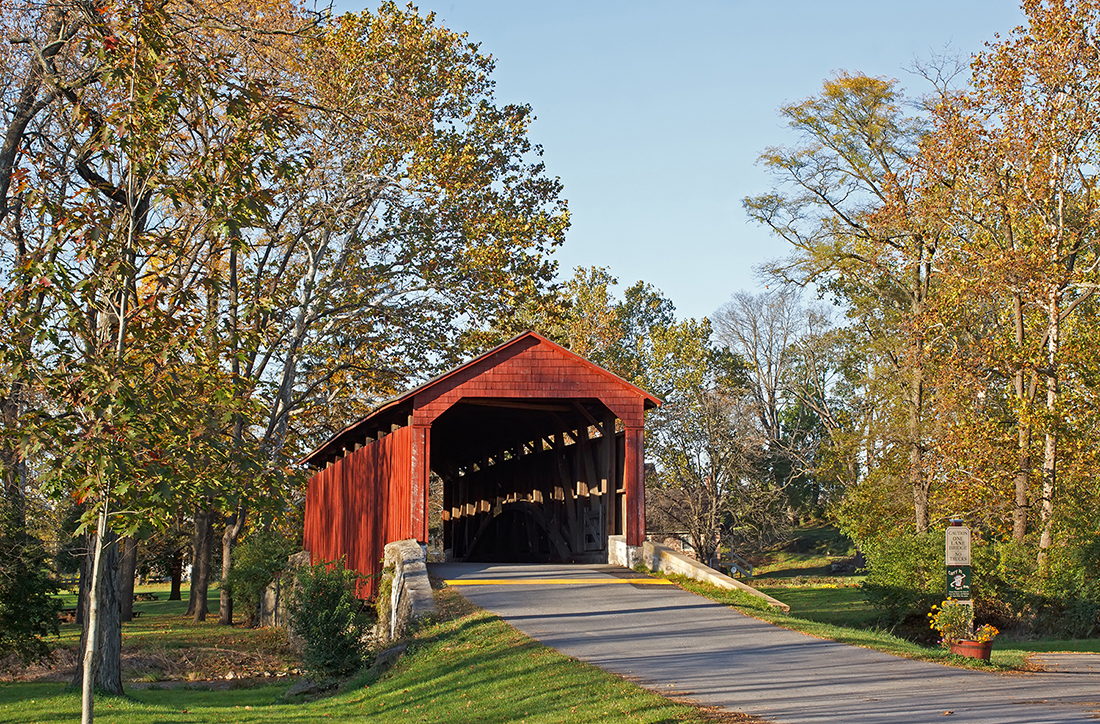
(958,582)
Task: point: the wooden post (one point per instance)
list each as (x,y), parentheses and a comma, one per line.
(610,501)
(420,471)
(634,485)
(449,477)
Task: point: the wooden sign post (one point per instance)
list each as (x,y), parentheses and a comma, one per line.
(957,557)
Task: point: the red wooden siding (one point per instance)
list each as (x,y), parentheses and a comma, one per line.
(531,370)
(634,485)
(360,503)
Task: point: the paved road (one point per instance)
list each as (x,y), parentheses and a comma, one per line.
(673,641)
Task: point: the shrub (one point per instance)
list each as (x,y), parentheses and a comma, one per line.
(1073,591)
(905,577)
(28,608)
(330,619)
(259,559)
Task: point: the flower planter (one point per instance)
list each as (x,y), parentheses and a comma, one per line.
(973,649)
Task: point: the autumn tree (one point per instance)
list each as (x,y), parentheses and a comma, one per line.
(421,212)
(849,202)
(709,478)
(101,162)
(613,332)
(1018,150)
(227,229)
(964,254)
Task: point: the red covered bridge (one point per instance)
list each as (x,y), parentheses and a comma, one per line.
(539,453)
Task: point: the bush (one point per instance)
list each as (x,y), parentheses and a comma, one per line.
(259,560)
(28,608)
(330,619)
(905,577)
(1073,591)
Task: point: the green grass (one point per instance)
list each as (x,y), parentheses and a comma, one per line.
(1076,646)
(469,667)
(783,564)
(840,604)
(800,575)
(809,554)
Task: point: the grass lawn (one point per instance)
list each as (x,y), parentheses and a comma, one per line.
(1050,646)
(469,667)
(840,604)
(163,643)
(809,554)
(824,625)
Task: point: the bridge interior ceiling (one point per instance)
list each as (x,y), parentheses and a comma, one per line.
(529,480)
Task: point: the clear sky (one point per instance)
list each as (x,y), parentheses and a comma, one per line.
(653,113)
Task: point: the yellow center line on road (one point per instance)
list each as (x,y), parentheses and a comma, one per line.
(553,581)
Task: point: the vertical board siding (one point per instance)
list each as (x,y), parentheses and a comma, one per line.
(360,503)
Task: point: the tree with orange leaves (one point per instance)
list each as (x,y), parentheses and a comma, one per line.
(1018,152)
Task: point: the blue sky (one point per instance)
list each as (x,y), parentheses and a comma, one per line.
(653,113)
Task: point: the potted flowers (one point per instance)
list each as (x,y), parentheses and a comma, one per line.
(955,623)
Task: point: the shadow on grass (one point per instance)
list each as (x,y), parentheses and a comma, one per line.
(467,666)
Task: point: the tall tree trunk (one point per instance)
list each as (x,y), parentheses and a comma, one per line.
(101,635)
(919,482)
(1050,442)
(127,571)
(200,566)
(13,469)
(235,523)
(84,581)
(919,478)
(176,570)
(1024,396)
(1023,473)
(109,666)
(229,540)
(14,473)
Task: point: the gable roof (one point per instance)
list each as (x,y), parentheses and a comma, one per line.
(395,410)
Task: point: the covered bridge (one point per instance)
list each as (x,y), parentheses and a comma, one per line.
(539,453)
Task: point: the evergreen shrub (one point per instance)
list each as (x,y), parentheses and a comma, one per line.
(259,560)
(331,620)
(28,606)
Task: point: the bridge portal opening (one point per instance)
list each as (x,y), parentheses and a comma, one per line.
(529,480)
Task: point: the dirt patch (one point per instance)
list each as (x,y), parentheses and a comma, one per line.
(184,664)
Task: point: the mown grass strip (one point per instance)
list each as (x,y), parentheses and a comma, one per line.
(468,667)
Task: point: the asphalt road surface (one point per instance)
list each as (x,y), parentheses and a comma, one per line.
(678,643)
